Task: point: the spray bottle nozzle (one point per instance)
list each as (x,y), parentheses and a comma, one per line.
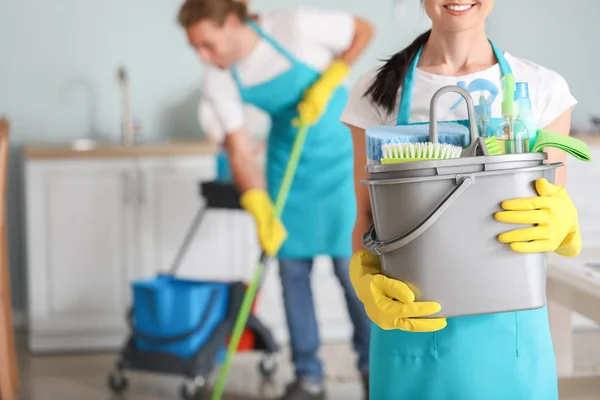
(483,110)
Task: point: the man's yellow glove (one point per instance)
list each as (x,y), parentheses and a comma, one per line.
(554,216)
(271,232)
(389,303)
(315,99)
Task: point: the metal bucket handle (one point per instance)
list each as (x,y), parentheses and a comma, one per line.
(433,129)
(380,247)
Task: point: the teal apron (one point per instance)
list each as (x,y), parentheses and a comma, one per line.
(507,356)
(320,209)
(223,167)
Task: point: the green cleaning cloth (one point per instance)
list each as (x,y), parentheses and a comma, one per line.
(571,145)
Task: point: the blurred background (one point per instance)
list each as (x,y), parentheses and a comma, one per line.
(86,216)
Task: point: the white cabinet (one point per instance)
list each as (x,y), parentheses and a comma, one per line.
(169,200)
(79,228)
(95,225)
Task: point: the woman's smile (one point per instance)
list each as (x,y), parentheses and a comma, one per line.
(458,9)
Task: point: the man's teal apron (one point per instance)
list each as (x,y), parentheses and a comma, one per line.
(223,167)
(320,209)
(506,356)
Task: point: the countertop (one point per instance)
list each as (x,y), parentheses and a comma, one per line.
(174,147)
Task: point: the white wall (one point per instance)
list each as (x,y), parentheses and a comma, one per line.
(559,35)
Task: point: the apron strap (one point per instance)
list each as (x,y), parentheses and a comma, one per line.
(407,86)
(504,67)
(407,90)
(280,49)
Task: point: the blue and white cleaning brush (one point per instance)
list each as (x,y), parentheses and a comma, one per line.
(378,136)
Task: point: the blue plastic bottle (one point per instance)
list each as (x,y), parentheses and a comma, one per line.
(525,112)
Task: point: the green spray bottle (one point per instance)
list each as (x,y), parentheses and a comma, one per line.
(512,134)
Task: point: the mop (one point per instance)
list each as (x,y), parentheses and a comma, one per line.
(242,318)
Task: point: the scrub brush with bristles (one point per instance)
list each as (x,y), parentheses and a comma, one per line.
(403,152)
(492,145)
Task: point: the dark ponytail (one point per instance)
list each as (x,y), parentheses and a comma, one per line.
(384,89)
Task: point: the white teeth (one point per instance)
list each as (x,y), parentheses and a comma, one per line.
(459,8)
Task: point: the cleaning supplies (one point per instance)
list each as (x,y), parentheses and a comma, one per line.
(487,130)
(481,275)
(511,132)
(476,144)
(449,132)
(452,204)
(492,145)
(575,147)
(483,111)
(402,152)
(525,112)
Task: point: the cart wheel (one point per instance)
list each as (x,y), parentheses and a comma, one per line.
(118,382)
(192,390)
(268,366)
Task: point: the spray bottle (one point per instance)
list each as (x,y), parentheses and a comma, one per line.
(483,112)
(511,133)
(525,112)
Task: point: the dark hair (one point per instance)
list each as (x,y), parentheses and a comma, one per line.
(384,89)
(193,11)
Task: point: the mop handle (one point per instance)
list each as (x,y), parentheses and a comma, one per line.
(249,296)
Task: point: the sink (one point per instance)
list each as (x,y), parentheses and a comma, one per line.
(88,144)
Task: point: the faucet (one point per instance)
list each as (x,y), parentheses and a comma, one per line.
(128,128)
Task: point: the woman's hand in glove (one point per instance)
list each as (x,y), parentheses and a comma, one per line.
(389,303)
(555,220)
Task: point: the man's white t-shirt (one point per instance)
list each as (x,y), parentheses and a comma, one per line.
(313,36)
(548,92)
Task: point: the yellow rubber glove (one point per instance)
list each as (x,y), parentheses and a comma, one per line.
(389,303)
(271,232)
(555,217)
(315,99)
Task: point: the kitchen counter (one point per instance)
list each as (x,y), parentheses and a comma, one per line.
(172,147)
(175,147)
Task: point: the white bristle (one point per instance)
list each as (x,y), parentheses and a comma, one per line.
(420,150)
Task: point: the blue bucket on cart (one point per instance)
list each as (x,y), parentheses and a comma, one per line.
(168,307)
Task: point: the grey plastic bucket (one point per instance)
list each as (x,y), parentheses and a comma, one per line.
(434,229)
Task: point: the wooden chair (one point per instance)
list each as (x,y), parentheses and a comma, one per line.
(9,376)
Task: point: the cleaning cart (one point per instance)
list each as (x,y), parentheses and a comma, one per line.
(182,327)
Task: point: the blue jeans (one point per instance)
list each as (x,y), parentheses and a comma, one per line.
(302,319)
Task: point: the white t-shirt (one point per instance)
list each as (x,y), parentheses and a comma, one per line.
(314,37)
(548,92)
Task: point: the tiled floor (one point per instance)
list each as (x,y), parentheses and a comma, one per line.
(83,377)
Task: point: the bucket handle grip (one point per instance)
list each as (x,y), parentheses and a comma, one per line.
(380,247)
(433,122)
